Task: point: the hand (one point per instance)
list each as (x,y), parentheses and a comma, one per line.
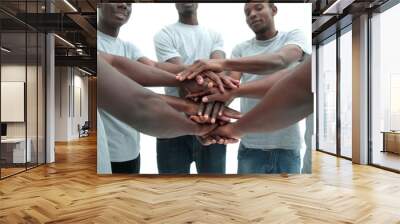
(221,135)
(191,86)
(221,80)
(199,66)
(211,113)
(204,129)
(214,95)
(228,133)
(211,95)
(208,140)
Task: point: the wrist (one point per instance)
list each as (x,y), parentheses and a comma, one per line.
(190,107)
(235,92)
(236,129)
(226,64)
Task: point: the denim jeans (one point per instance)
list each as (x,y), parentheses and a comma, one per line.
(268,161)
(175,155)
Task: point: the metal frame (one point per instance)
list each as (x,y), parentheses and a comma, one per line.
(389,4)
(386,6)
(44,74)
(337,35)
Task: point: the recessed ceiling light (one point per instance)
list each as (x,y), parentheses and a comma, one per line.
(86,72)
(70,5)
(64,40)
(5,50)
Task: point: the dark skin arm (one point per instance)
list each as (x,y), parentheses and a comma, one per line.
(122,97)
(287,102)
(257,64)
(254,89)
(169,67)
(205,113)
(191,108)
(146,75)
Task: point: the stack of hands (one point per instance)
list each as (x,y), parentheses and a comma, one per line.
(209,89)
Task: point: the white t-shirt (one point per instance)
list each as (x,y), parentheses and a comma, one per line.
(103,155)
(123,140)
(189,42)
(287,138)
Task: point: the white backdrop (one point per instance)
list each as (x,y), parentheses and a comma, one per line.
(226,18)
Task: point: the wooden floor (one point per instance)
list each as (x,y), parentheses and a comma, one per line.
(70,191)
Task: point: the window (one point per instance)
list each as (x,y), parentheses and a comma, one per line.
(327,96)
(346,93)
(385,89)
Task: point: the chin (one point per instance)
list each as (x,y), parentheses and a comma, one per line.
(260,30)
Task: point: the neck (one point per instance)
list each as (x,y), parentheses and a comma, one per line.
(189,19)
(268,34)
(111,31)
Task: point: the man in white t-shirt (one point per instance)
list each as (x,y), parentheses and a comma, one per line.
(183,43)
(279,151)
(123,140)
(259,63)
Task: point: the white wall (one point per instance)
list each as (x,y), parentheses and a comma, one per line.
(68,83)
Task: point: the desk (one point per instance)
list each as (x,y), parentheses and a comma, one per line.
(391,141)
(13,150)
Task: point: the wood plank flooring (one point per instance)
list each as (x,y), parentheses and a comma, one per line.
(70,191)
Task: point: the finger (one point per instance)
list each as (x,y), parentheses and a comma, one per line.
(217,138)
(199,80)
(203,119)
(229,82)
(185,74)
(178,76)
(223,118)
(221,141)
(232,140)
(210,84)
(217,80)
(200,110)
(196,71)
(228,112)
(201,93)
(207,112)
(204,140)
(182,76)
(221,111)
(215,112)
(222,123)
(211,98)
(195,119)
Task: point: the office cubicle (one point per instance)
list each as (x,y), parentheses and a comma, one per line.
(22,77)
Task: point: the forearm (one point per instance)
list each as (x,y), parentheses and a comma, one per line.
(170,67)
(258,64)
(140,73)
(289,101)
(177,103)
(138,107)
(258,89)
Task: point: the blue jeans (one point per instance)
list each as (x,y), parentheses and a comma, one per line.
(175,155)
(271,161)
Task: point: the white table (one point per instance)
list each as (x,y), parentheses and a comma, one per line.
(18,145)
